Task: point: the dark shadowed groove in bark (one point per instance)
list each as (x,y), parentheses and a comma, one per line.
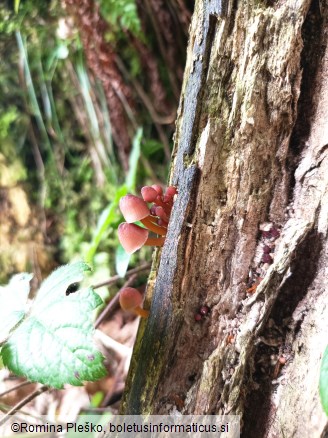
(259,401)
(313,35)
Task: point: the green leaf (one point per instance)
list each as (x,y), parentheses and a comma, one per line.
(150,147)
(13,300)
(323,382)
(96,399)
(54,345)
(121,13)
(133,161)
(16,6)
(122,259)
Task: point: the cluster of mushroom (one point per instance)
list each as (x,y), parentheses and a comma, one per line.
(133,237)
(154,218)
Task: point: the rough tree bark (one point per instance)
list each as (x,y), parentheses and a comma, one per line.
(251,147)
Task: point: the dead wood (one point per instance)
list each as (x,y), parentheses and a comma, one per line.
(250,154)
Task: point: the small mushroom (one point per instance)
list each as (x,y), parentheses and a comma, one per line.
(158,189)
(135,209)
(266,249)
(159,211)
(204,310)
(266,258)
(275,233)
(171,191)
(149,194)
(131,300)
(167,207)
(133,237)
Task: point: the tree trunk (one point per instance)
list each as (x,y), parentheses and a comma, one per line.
(251,165)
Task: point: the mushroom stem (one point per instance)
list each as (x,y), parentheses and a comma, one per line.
(155,241)
(153,227)
(162,223)
(141,312)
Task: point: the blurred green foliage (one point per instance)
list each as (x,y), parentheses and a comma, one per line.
(121,14)
(6,119)
(55,122)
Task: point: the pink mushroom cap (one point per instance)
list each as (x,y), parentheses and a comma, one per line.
(149,194)
(130,298)
(159,211)
(133,208)
(158,189)
(171,191)
(132,237)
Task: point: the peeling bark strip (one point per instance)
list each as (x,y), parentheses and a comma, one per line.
(236,168)
(196,76)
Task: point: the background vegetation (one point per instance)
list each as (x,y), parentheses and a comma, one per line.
(88,98)
(89,92)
